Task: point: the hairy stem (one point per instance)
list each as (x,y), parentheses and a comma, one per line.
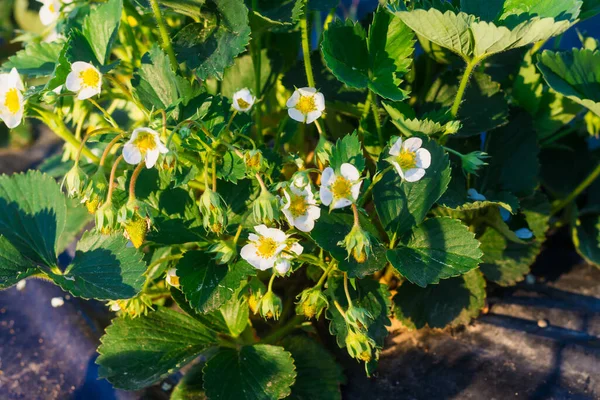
(108,148)
(471,64)
(306,48)
(111,179)
(164,34)
(134,177)
(577,191)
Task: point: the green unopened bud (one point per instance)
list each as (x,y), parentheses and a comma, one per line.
(106,219)
(266,207)
(357,244)
(134,307)
(50,97)
(452,127)
(254,161)
(214,214)
(301,179)
(472,162)
(358,317)
(312,303)
(269,306)
(592,122)
(359,345)
(96,190)
(224,251)
(255,290)
(74,180)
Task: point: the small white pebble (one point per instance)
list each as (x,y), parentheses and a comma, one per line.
(57,302)
(166,386)
(542,323)
(21,284)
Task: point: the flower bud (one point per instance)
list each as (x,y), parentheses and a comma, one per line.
(472,162)
(592,122)
(214,213)
(312,303)
(270,305)
(172,278)
(359,345)
(106,219)
(50,97)
(301,179)
(74,180)
(253,160)
(134,307)
(357,244)
(136,230)
(452,127)
(224,251)
(358,317)
(265,208)
(255,290)
(96,190)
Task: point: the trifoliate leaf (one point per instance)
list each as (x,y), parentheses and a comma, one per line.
(518,24)
(13,266)
(402,205)
(574,74)
(586,236)
(370,295)
(210,51)
(376,63)
(483,108)
(318,375)
(104,268)
(206,285)
(37,59)
(506,262)
(155,82)
(439,248)
(136,352)
(347,150)
(259,372)
(100,28)
(452,302)
(32,215)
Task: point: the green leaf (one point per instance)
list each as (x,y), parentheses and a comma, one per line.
(322,5)
(470,36)
(402,205)
(77,218)
(104,268)
(368,294)
(439,248)
(241,75)
(206,285)
(100,28)
(452,302)
(347,150)
(575,74)
(13,266)
(456,198)
(136,352)
(514,164)
(318,375)
(506,262)
(332,228)
(483,108)
(586,236)
(209,53)
(589,8)
(37,59)
(376,63)
(213,320)
(191,386)
(155,82)
(191,8)
(258,372)
(231,167)
(32,215)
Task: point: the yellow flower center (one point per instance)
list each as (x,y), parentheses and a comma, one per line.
(145,142)
(242,103)
(341,188)
(173,280)
(306,104)
(89,77)
(132,21)
(11,102)
(266,247)
(52,8)
(298,205)
(407,160)
(253,161)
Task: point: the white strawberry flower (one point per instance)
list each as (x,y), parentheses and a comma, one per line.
(50,11)
(144,144)
(172,278)
(243,100)
(338,191)
(409,159)
(263,250)
(284,262)
(306,105)
(300,208)
(84,79)
(11,98)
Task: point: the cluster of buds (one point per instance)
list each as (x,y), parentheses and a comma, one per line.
(358,342)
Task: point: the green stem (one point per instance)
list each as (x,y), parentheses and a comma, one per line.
(256,60)
(367,105)
(378,176)
(108,148)
(325,274)
(290,326)
(347,291)
(270,288)
(107,116)
(237,235)
(377,123)
(134,176)
(449,150)
(471,64)
(306,48)
(111,179)
(228,128)
(578,190)
(164,34)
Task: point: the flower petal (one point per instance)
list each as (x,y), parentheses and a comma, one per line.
(423,158)
(313,116)
(296,115)
(396,147)
(320,101)
(349,172)
(414,174)
(307,91)
(282,266)
(327,177)
(131,154)
(412,144)
(356,190)
(73,82)
(293,100)
(87,92)
(341,203)
(151,158)
(326,195)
